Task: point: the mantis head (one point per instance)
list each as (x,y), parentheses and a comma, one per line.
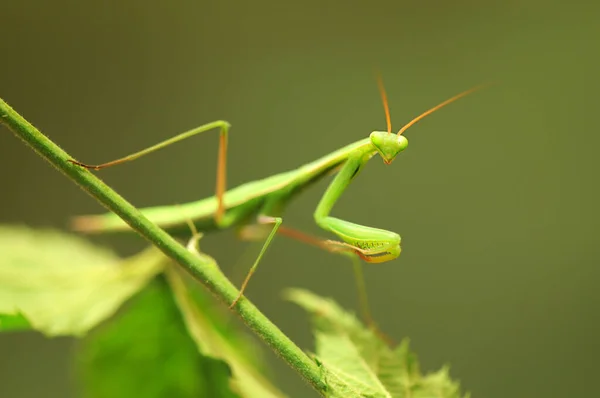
(389,145)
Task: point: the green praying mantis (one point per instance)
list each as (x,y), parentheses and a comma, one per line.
(255,208)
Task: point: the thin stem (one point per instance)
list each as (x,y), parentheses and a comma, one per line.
(211,277)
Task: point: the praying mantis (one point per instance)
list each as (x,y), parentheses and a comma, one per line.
(255,208)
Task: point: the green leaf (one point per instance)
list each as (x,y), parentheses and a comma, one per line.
(215,335)
(357,362)
(13,323)
(63,285)
(146,351)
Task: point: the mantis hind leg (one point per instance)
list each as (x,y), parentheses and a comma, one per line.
(223,127)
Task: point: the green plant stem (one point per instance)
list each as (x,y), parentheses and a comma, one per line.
(211,277)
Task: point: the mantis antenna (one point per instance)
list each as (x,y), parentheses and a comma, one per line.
(385,103)
(439,106)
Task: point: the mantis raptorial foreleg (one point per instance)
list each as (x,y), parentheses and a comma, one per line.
(223,127)
(373,245)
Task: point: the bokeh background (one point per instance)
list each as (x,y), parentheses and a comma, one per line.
(496,197)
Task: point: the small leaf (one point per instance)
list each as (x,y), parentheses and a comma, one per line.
(357,362)
(63,285)
(13,323)
(146,351)
(215,336)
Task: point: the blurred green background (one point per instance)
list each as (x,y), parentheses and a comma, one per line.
(495,198)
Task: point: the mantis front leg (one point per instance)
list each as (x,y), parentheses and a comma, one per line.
(371,244)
